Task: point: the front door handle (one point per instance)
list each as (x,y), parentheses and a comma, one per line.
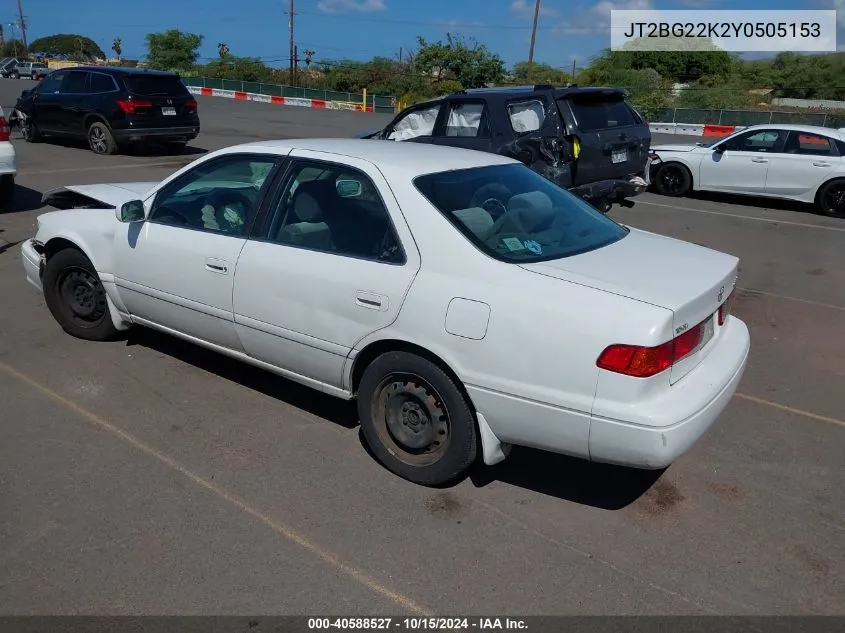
(759,160)
(371,300)
(215,265)
(819,164)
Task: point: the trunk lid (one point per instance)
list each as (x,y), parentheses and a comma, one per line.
(690,280)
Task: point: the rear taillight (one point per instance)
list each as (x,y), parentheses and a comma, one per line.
(644,362)
(191,105)
(725,310)
(131,106)
(5,133)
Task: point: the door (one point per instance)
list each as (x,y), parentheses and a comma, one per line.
(805,161)
(415,124)
(176,269)
(467,125)
(46,101)
(331,265)
(73,95)
(743,165)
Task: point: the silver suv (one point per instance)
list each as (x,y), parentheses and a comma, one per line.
(30,70)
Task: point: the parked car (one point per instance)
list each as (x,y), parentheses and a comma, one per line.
(805,163)
(29,70)
(366,269)
(7,65)
(587,139)
(8,164)
(111,107)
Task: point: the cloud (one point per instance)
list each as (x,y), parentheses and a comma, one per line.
(351,6)
(596,19)
(525,9)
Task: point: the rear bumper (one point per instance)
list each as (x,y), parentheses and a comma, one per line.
(181,133)
(611,191)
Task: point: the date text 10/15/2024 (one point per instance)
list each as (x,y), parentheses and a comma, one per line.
(417,624)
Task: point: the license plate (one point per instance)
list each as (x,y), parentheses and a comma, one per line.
(619,156)
(168,111)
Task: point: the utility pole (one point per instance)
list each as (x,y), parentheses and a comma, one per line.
(573,70)
(291,45)
(533,37)
(23,24)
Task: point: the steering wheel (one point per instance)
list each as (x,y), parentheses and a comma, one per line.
(220,198)
(495,207)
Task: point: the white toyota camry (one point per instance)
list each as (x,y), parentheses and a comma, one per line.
(465,301)
(794,162)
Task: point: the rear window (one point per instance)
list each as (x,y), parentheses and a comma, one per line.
(153,85)
(603,113)
(513,214)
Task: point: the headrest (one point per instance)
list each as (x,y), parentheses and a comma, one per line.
(306,208)
(534,210)
(535,199)
(320,190)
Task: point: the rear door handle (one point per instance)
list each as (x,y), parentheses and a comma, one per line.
(371,300)
(759,160)
(817,164)
(215,265)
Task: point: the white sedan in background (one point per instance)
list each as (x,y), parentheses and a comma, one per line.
(795,162)
(468,303)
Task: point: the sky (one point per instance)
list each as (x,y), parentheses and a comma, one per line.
(569,30)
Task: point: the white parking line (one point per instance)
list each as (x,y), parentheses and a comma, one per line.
(744,217)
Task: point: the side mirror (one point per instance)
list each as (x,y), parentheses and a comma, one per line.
(720,148)
(132,211)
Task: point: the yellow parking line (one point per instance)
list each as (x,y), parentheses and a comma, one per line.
(279,528)
(793,410)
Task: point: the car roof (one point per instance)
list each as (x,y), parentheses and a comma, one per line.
(559,91)
(797,127)
(121,70)
(400,158)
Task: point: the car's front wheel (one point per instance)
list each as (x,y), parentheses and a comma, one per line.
(76,297)
(831,198)
(416,420)
(673,179)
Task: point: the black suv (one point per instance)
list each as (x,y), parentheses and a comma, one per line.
(110,107)
(588,140)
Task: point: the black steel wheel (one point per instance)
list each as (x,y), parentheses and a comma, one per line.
(416,420)
(832,199)
(673,179)
(76,297)
(100,139)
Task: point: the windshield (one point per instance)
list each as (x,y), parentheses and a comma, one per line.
(514,214)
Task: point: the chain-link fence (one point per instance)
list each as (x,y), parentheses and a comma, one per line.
(743,117)
(379,103)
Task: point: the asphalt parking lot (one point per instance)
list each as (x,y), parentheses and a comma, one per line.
(150,477)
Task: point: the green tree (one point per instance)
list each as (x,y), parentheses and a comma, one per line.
(117,46)
(543,74)
(173,49)
(69,44)
(473,66)
(13,48)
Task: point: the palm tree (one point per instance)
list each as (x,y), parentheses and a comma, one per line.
(222,50)
(117,47)
(309,56)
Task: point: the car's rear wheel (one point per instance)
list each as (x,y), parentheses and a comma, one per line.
(100,139)
(831,199)
(416,420)
(673,179)
(76,297)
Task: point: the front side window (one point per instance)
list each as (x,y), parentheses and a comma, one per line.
(416,123)
(334,209)
(221,196)
(52,82)
(763,141)
(514,214)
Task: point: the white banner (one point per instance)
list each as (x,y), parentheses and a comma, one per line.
(736,31)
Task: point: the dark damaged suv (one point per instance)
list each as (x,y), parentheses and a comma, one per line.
(588,140)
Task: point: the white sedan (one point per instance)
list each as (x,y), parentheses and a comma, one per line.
(8,165)
(468,303)
(794,162)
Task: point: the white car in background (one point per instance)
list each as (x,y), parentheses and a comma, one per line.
(805,163)
(8,164)
(467,302)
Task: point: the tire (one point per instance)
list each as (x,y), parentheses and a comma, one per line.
(76,297)
(30,131)
(416,420)
(100,139)
(7,192)
(15,76)
(831,199)
(673,179)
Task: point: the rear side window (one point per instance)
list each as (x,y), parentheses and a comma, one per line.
(75,82)
(593,114)
(155,85)
(102,83)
